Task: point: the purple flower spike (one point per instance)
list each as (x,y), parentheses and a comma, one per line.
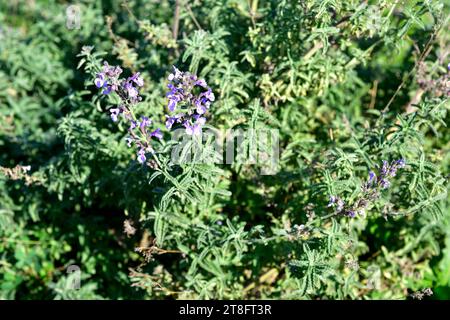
(370,190)
(191,94)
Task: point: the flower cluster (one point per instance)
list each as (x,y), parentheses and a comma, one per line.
(192,97)
(388,170)
(188,94)
(140,135)
(128,91)
(370,190)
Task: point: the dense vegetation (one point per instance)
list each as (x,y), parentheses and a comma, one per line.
(358,207)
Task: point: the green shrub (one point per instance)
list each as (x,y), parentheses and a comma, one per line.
(346,84)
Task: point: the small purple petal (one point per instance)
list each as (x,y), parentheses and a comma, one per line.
(137,79)
(332,201)
(172,105)
(210,95)
(99,81)
(200,121)
(170,121)
(201,83)
(189,129)
(201,109)
(107,90)
(351,213)
(401,163)
(132,91)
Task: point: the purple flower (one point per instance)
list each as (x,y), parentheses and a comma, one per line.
(201,83)
(172,104)
(196,128)
(338,202)
(108,78)
(132,91)
(156,133)
(370,190)
(170,121)
(111,71)
(385,183)
(192,94)
(332,201)
(114,114)
(351,213)
(385,168)
(107,89)
(127,90)
(137,79)
(200,121)
(401,163)
(340,205)
(141,156)
(192,129)
(201,109)
(210,95)
(133,124)
(100,80)
(145,122)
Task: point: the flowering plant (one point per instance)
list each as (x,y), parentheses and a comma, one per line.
(354,92)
